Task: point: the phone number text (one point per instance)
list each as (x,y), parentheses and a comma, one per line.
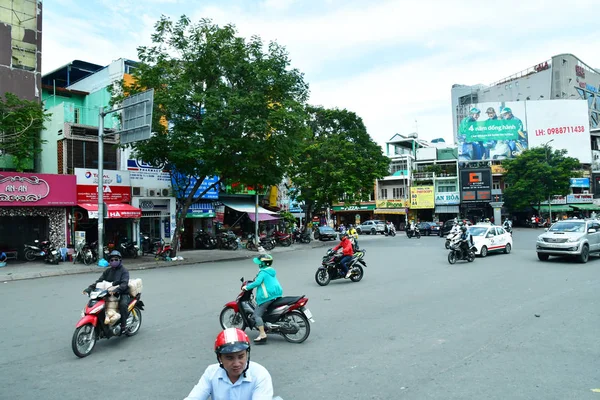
(560,130)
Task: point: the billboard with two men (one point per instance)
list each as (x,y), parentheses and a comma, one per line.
(502,130)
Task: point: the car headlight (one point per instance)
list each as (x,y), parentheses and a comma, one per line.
(573,240)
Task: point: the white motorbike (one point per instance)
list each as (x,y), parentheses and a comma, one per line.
(450,238)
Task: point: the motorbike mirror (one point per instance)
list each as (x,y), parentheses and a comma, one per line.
(242,280)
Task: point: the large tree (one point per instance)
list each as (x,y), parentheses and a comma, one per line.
(338,161)
(21,124)
(536,174)
(224,106)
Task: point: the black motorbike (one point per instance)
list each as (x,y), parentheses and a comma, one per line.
(128,248)
(413,233)
(44,250)
(204,241)
(458,254)
(148,244)
(227,241)
(331,268)
(265,242)
(301,237)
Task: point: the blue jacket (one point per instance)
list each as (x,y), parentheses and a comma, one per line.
(267,284)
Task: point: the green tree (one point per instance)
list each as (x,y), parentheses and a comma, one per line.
(536,174)
(339,160)
(21,124)
(234,109)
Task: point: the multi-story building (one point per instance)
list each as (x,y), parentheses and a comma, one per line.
(562,77)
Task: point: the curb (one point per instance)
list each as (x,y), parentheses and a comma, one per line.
(137,267)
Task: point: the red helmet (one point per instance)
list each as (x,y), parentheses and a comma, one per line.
(231,340)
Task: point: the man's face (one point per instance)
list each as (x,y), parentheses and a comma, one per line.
(475,116)
(234,363)
(491,114)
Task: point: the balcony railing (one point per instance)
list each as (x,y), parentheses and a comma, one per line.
(433,175)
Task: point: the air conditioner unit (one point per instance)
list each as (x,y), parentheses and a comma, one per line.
(586,192)
(136,191)
(152,192)
(165,192)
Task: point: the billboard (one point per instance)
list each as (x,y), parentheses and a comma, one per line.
(475,185)
(116,185)
(502,130)
(422,197)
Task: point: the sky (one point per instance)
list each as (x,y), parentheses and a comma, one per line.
(392,62)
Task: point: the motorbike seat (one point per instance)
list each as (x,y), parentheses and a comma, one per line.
(284,301)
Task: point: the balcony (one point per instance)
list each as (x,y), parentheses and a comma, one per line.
(433,175)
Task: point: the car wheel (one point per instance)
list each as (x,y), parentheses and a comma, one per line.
(508,248)
(585,254)
(483,252)
(373,232)
(543,257)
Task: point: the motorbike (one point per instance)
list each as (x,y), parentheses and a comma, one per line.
(204,240)
(287,316)
(391,231)
(84,254)
(44,250)
(265,243)
(92,327)
(227,241)
(129,248)
(331,269)
(148,244)
(457,254)
(282,238)
(413,233)
(451,236)
(164,251)
(301,237)
(508,228)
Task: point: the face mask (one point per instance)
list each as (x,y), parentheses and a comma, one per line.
(115,264)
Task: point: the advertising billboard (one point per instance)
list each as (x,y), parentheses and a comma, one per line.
(502,130)
(21,189)
(422,197)
(475,185)
(117,187)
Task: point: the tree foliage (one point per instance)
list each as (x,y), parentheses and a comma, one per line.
(339,160)
(235,108)
(536,174)
(21,124)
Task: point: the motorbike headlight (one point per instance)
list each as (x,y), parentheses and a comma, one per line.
(82,313)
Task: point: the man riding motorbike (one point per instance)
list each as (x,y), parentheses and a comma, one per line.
(507,225)
(348,252)
(466,240)
(119,276)
(353,234)
(235,376)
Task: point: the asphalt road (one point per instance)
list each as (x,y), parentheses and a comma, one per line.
(414,328)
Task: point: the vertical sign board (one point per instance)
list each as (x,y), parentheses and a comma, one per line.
(475,185)
(137,117)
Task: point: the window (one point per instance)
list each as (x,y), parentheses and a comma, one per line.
(76,115)
(506,185)
(496,185)
(397,193)
(446,188)
(384,193)
(84,154)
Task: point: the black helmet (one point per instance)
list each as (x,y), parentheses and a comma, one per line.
(115,253)
(264,260)
(463,228)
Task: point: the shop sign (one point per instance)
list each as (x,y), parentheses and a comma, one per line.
(145,175)
(556,200)
(498,170)
(361,207)
(580,198)
(449,198)
(20,189)
(580,182)
(422,197)
(182,186)
(116,186)
(476,185)
(393,203)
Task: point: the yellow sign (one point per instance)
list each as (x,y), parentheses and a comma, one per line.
(422,197)
(393,203)
(497,169)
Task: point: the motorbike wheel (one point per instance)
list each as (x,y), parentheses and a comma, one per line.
(297,318)
(418,235)
(268,246)
(251,246)
(452,257)
(231,319)
(286,242)
(84,340)
(471,257)
(88,259)
(134,253)
(136,324)
(447,245)
(322,277)
(233,246)
(357,276)
(30,255)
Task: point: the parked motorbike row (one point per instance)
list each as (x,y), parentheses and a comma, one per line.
(229,241)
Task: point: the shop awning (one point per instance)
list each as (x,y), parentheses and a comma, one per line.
(589,207)
(399,211)
(447,210)
(117,210)
(247,207)
(555,208)
(263,217)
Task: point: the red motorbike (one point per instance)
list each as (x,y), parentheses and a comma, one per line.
(92,327)
(287,316)
(282,238)
(163,251)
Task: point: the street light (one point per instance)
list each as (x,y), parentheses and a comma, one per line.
(548,162)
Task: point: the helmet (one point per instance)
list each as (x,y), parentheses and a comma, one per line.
(115,253)
(490,110)
(263,260)
(463,228)
(344,236)
(351,226)
(231,340)
(461,223)
(475,110)
(506,110)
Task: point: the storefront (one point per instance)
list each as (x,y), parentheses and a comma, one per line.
(447,206)
(120,215)
(476,194)
(200,216)
(35,207)
(394,210)
(353,214)
(422,203)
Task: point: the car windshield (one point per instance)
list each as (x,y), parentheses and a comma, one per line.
(326,229)
(478,230)
(568,226)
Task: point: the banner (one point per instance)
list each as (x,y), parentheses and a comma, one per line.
(447,198)
(393,203)
(21,189)
(476,185)
(579,182)
(422,197)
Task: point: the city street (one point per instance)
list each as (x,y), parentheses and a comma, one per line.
(416,327)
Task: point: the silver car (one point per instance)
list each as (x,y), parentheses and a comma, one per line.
(573,237)
(369,227)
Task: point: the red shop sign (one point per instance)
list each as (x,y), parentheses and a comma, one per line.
(20,189)
(112,194)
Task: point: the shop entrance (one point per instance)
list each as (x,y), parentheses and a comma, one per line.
(16,231)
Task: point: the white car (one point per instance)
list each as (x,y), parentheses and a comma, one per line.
(490,238)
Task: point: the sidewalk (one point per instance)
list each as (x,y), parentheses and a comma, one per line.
(19,270)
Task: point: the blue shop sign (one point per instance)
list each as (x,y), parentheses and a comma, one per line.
(580,182)
(212,194)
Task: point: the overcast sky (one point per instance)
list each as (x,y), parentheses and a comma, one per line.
(391,62)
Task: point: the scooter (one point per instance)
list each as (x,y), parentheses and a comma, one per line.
(451,236)
(287,316)
(413,233)
(457,254)
(129,248)
(265,243)
(92,326)
(164,251)
(282,238)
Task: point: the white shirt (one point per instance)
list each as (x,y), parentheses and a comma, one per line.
(215,383)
